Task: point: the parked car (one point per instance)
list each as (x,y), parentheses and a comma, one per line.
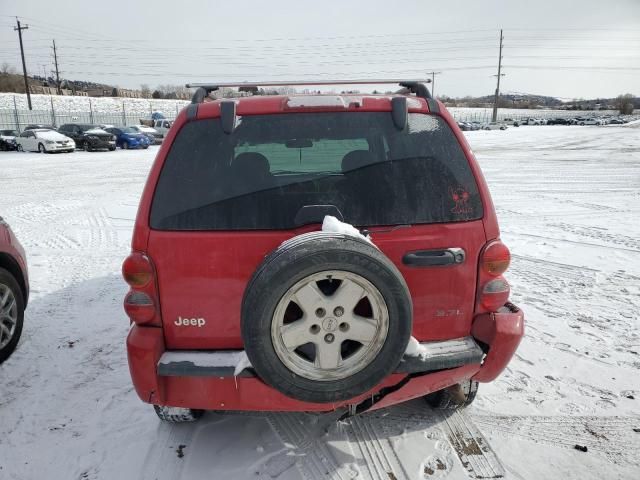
(8,140)
(44,141)
(155,136)
(161,125)
(558,121)
(616,121)
(89,137)
(248,292)
(14,290)
(591,121)
(494,126)
(39,127)
(127,137)
(532,121)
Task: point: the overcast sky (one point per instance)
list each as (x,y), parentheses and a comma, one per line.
(563,48)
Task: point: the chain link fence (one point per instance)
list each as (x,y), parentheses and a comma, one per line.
(17,119)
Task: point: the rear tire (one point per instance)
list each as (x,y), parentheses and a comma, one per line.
(86,147)
(11,319)
(125,146)
(451,398)
(19,148)
(177,414)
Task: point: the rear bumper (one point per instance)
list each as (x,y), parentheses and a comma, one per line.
(500,333)
(206,380)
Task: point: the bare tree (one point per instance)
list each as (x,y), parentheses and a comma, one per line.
(145,90)
(624,103)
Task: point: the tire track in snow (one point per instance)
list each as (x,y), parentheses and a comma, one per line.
(614,437)
(378,455)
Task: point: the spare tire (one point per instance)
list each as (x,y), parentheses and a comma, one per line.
(326,317)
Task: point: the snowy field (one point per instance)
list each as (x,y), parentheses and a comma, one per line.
(568,202)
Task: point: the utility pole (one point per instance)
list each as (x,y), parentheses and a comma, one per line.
(55,58)
(433,82)
(24,65)
(494,117)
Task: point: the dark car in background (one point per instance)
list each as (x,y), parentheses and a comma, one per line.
(89,137)
(558,121)
(14,290)
(8,140)
(127,137)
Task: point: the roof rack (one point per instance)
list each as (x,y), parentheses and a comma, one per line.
(417,87)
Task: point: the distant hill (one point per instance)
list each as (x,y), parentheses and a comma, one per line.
(522,100)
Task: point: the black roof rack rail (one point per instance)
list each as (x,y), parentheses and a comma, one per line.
(417,87)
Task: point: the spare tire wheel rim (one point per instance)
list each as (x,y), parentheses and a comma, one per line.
(8,315)
(329,325)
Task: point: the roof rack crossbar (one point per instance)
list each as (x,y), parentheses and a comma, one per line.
(417,87)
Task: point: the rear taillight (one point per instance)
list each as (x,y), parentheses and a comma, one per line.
(493,289)
(137,270)
(495,258)
(141,303)
(495,294)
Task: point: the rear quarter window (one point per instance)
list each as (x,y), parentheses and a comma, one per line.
(262,174)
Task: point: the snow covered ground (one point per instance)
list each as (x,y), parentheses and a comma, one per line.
(568,204)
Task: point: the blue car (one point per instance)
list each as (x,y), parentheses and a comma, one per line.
(127,137)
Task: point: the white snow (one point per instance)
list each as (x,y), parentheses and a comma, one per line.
(70,104)
(332,224)
(242,363)
(568,204)
(414,349)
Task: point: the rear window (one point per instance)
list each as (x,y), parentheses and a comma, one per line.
(267,170)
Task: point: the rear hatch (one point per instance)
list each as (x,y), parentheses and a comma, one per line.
(223,201)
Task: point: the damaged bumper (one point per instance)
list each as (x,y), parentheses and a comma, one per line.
(208,379)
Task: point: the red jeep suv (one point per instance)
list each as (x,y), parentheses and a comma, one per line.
(241,300)
(14,290)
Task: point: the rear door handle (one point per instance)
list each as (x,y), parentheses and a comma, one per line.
(434,258)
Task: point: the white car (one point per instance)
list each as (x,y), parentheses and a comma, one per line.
(591,121)
(150,132)
(42,140)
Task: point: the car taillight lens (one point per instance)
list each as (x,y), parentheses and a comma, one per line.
(493,289)
(141,303)
(495,294)
(137,270)
(139,307)
(495,258)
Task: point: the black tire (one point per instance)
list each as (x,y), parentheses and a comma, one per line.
(86,147)
(19,148)
(295,260)
(8,280)
(177,415)
(457,396)
(41,148)
(111,149)
(125,146)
